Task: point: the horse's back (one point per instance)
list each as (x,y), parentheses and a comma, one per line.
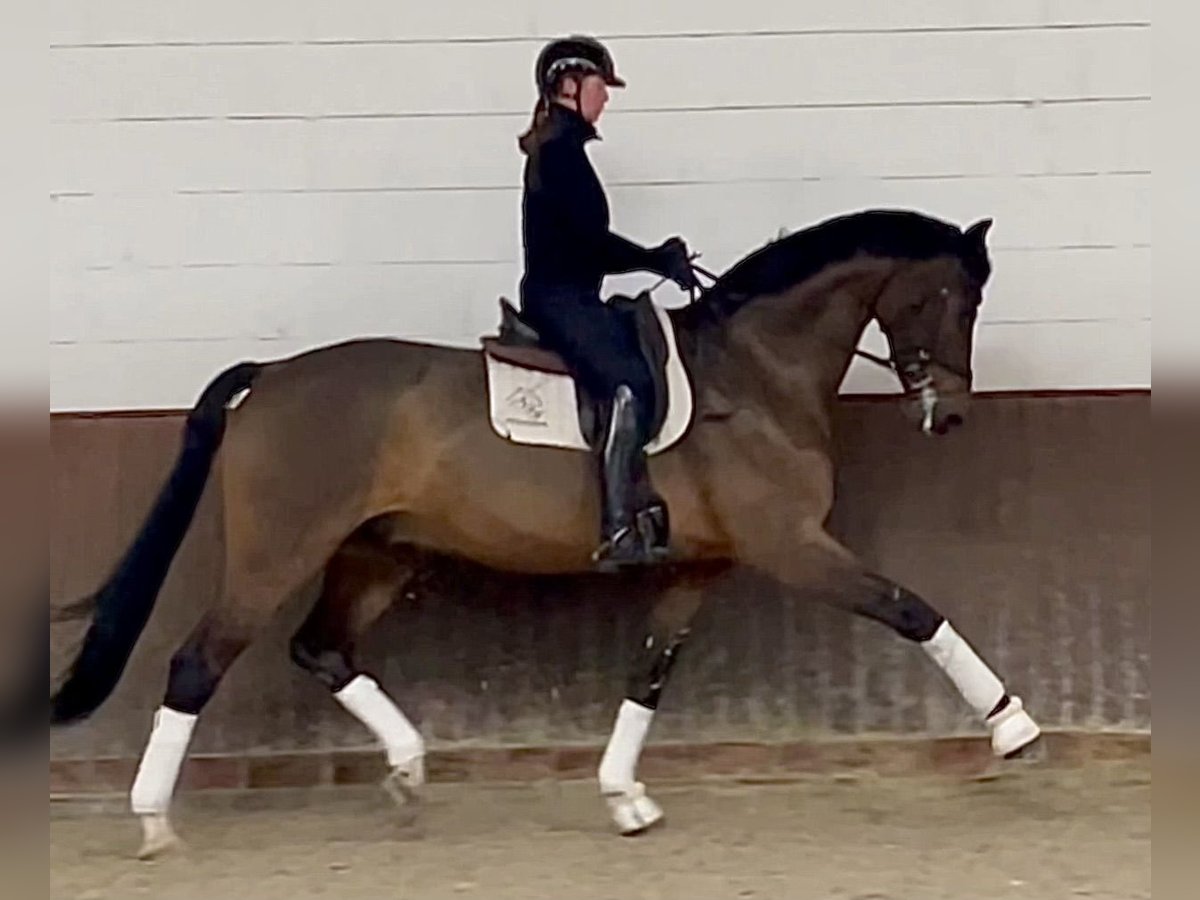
(342,402)
(350,374)
(365,360)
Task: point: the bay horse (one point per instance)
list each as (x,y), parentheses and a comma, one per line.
(361,461)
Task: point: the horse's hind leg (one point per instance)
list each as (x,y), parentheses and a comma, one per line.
(260,575)
(361,582)
(195,671)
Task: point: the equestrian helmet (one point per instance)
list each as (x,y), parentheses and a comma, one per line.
(578,54)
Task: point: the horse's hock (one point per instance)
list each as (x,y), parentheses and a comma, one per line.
(1030,528)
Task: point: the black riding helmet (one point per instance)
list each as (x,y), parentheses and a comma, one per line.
(578,54)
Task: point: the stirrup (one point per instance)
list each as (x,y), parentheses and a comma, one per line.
(621,550)
(653,525)
(642,544)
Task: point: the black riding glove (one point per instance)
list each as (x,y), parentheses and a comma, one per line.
(671,258)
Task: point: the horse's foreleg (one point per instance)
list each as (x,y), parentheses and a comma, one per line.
(361,582)
(832,574)
(1013,730)
(664,636)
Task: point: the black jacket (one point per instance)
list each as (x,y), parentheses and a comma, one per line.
(567,241)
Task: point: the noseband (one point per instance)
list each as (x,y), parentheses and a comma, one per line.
(911,366)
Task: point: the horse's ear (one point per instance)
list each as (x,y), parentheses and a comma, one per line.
(977,233)
(975,252)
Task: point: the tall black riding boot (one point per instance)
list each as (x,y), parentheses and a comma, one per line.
(630,536)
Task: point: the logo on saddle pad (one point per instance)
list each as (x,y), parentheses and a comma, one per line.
(525,405)
(534,400)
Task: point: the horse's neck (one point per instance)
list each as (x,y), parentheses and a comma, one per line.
(794,347)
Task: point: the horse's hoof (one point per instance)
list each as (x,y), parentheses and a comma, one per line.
(1013,730)
(403,782)
(158,837)
(1030,754)
(632,811)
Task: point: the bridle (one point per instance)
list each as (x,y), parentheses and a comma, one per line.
(909,365)
(914,375)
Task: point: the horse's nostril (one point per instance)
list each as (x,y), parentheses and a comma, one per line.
(954,420)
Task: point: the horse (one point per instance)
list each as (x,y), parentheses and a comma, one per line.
(359,462)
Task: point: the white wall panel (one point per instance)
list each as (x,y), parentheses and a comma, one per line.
(457,303)
(670,73)
(161,374)
(1083,284)
(480,151)
(273,302)
(233,180)
(156,21)
(1067,355)
(723,220)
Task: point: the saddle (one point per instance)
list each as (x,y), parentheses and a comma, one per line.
(529,383)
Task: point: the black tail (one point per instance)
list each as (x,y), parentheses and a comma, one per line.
(123,606)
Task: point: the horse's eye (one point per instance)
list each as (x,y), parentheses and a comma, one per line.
(945,292)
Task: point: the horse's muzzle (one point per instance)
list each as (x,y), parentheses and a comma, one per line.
(947,413)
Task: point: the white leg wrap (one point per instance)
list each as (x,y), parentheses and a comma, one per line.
(366,700)
(1012,728)
(161,762)
(630,808)
(977,683)
(619,763)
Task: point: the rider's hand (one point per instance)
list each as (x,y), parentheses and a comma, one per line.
(674,263)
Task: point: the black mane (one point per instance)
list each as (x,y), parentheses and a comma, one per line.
(781,264)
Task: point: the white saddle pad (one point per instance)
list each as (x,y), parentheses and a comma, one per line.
(541,409)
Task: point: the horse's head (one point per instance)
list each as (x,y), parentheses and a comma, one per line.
(928,312)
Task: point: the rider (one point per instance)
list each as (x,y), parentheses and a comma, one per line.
(568,249)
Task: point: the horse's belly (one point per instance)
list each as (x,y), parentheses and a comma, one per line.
(533,509)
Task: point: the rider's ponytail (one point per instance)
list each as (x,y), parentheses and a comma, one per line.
(528,142)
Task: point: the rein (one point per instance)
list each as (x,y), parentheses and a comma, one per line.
(914,374)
